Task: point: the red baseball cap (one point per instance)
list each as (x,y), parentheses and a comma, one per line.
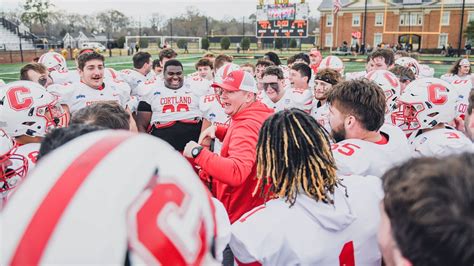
(237,80)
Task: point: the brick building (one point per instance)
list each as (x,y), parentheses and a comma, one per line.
(401,21)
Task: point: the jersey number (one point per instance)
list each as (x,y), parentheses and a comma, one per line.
(182,107)
(18,102)
(346,149)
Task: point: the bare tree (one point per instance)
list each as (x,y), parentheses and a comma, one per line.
(36,11)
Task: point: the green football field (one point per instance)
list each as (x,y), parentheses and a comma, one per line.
(10,72)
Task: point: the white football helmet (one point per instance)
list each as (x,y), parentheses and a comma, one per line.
(425,103)
(389,84)
(224,71)
(332,62)
(410,63)
(54,62)
(426,71)
(26,108)
(150,211)
(13,166)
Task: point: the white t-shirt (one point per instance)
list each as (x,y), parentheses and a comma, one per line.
(293,98)
(134,78)
(360,157)
(170,105)
(314,233)
(439,142)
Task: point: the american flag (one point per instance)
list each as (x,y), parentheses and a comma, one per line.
(337,6)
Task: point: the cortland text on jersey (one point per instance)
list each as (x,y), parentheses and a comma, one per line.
(172,105)
(361,157)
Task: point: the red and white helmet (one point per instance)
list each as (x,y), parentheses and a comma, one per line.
(425,103)
(389,84)
(224,71)
(13,166)
(26,108)
(410,63)
(88,203)
(332,62)
(54,62)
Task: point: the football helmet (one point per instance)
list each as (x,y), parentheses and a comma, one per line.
(426,71)
(13,166)
(389,84)
(425,103)
(26,108)
(224,71)
(410,63)
(332,62)
(149,211)
(54,62)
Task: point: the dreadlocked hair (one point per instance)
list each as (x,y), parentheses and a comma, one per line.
(294,155)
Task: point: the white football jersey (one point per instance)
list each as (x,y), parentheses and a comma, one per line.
(134,78)
(60,77)
(314,233)
(79,95)
(463,87)
(200,86)
(355,75)
(213,112)
(170,105)
(74,76)
(451,77)
(321,114)
(360,157)
(293,98)
(439,142)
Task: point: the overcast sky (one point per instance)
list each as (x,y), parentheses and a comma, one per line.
(142,9)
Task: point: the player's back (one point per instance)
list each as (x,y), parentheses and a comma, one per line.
(314,233)
(361,157)
(439,142)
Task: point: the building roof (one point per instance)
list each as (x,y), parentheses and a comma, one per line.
(327,5)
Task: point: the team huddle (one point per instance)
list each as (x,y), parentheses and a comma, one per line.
(252,164)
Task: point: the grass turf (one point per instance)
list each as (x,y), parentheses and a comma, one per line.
(10,72)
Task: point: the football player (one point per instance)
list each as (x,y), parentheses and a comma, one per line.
(170,110)
(140,73)
(13,166)
(390,85)
(278,97)
(426,213)
(323,219)
(80,208)
(37,73)
(332,62)
(27,113)
(92,87)
(460,70)
(204,69)
(404,75)
(356,115)
(249,67)
(324,80)
(409,63)
(425,108)
(57,67)
(383,59)
(260,67)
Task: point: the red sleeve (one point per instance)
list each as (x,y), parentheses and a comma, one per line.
(234,169)
(220,132)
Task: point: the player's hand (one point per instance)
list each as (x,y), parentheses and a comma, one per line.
(189,147)
(207,135)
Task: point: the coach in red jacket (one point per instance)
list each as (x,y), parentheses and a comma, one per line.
(234,170)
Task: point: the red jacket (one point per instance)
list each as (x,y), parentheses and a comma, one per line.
(234,171)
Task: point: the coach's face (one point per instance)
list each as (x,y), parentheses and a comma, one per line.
(174,77)
(93,73)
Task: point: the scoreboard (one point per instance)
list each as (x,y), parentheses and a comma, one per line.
(282,21)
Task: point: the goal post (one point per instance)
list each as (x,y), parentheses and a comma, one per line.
(158,42)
